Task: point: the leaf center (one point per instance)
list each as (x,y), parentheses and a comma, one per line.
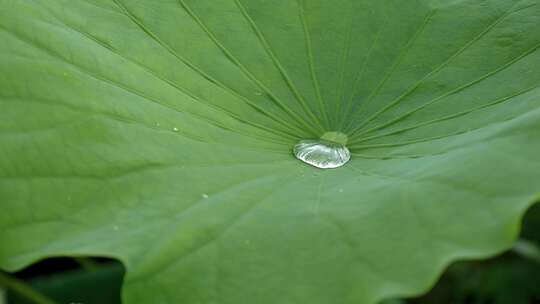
(335,137)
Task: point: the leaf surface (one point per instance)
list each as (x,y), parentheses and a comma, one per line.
(160,133)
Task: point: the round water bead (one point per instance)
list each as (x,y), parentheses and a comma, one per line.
(327,152)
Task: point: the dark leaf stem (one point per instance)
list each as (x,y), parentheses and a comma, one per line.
(23,289)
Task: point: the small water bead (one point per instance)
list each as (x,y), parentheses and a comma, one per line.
(326,153)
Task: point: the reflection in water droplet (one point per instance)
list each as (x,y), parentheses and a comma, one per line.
(322,153)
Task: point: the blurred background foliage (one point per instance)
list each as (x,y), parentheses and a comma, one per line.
(511,278)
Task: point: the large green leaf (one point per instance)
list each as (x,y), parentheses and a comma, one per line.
(160,133)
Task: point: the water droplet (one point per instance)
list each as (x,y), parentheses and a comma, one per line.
(327,152)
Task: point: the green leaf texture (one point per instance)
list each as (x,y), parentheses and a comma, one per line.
(159,132)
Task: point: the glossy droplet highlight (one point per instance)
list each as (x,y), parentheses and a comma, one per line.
(326,153)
